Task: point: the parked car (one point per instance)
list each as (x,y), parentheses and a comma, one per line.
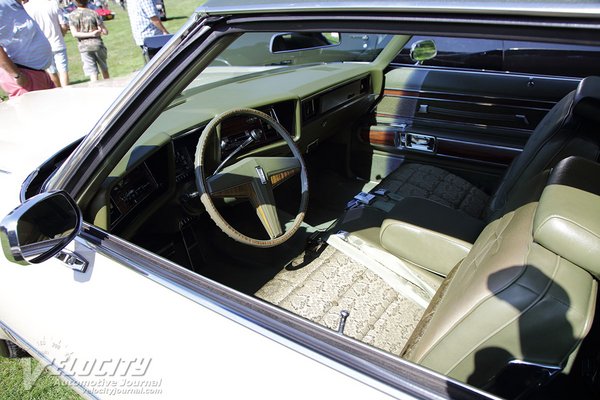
(325,219)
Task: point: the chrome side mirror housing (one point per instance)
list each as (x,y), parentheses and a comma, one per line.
(423,50)
(40,228)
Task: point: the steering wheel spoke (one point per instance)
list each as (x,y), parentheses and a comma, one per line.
(263,201)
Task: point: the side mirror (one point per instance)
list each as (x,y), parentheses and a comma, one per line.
(40,228)
(297,41)
(423,50)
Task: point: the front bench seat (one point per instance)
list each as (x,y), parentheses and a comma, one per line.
(568,129)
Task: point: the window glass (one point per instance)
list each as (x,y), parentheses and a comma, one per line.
(297,48)
(508,55)
(551,58)
(469,53)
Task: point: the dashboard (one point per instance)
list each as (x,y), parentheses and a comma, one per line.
(157,176)
(147,181)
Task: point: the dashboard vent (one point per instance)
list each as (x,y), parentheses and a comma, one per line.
(309,109)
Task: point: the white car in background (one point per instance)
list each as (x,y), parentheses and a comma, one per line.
(328,221)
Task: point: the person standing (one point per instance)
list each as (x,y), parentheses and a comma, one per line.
(51,20)
(87,26)
(24,51)
(144,20)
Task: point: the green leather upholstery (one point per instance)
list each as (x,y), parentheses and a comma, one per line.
(430,250)
(523,292)
(429,235)
(567,221)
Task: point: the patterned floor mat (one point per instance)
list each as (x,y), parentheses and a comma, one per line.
(333,282)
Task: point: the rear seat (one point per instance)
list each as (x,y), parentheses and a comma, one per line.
(569,128)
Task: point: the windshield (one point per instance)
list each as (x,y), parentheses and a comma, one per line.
(260,52)
(297,48)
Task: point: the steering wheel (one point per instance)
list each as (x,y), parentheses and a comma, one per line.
(252,178)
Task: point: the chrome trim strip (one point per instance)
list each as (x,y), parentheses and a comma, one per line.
(378,369)
(489,72)
(491,100)
(555,9)
(388,151)
(481,128)
(41,357)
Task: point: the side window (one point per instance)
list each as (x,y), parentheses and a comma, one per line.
(459,53)
(509,56)
(551,58)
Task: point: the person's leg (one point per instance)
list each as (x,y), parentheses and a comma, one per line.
(101,56)
(62,65)
(89,65)
(36,80)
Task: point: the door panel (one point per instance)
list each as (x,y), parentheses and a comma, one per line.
(473,123)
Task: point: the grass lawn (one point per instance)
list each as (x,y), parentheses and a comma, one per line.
(124,57)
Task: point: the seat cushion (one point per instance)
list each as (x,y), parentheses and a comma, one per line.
(436,184)
(334,282)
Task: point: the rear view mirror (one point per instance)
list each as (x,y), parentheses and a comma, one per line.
(40,228)
(297,41)
(423,50)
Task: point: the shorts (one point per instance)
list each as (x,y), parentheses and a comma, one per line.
(38,80)
(92,60)
(60,62)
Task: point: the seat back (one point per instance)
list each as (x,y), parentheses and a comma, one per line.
(569,129)
(523,294)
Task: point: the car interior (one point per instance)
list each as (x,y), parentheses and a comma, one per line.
(448,216)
